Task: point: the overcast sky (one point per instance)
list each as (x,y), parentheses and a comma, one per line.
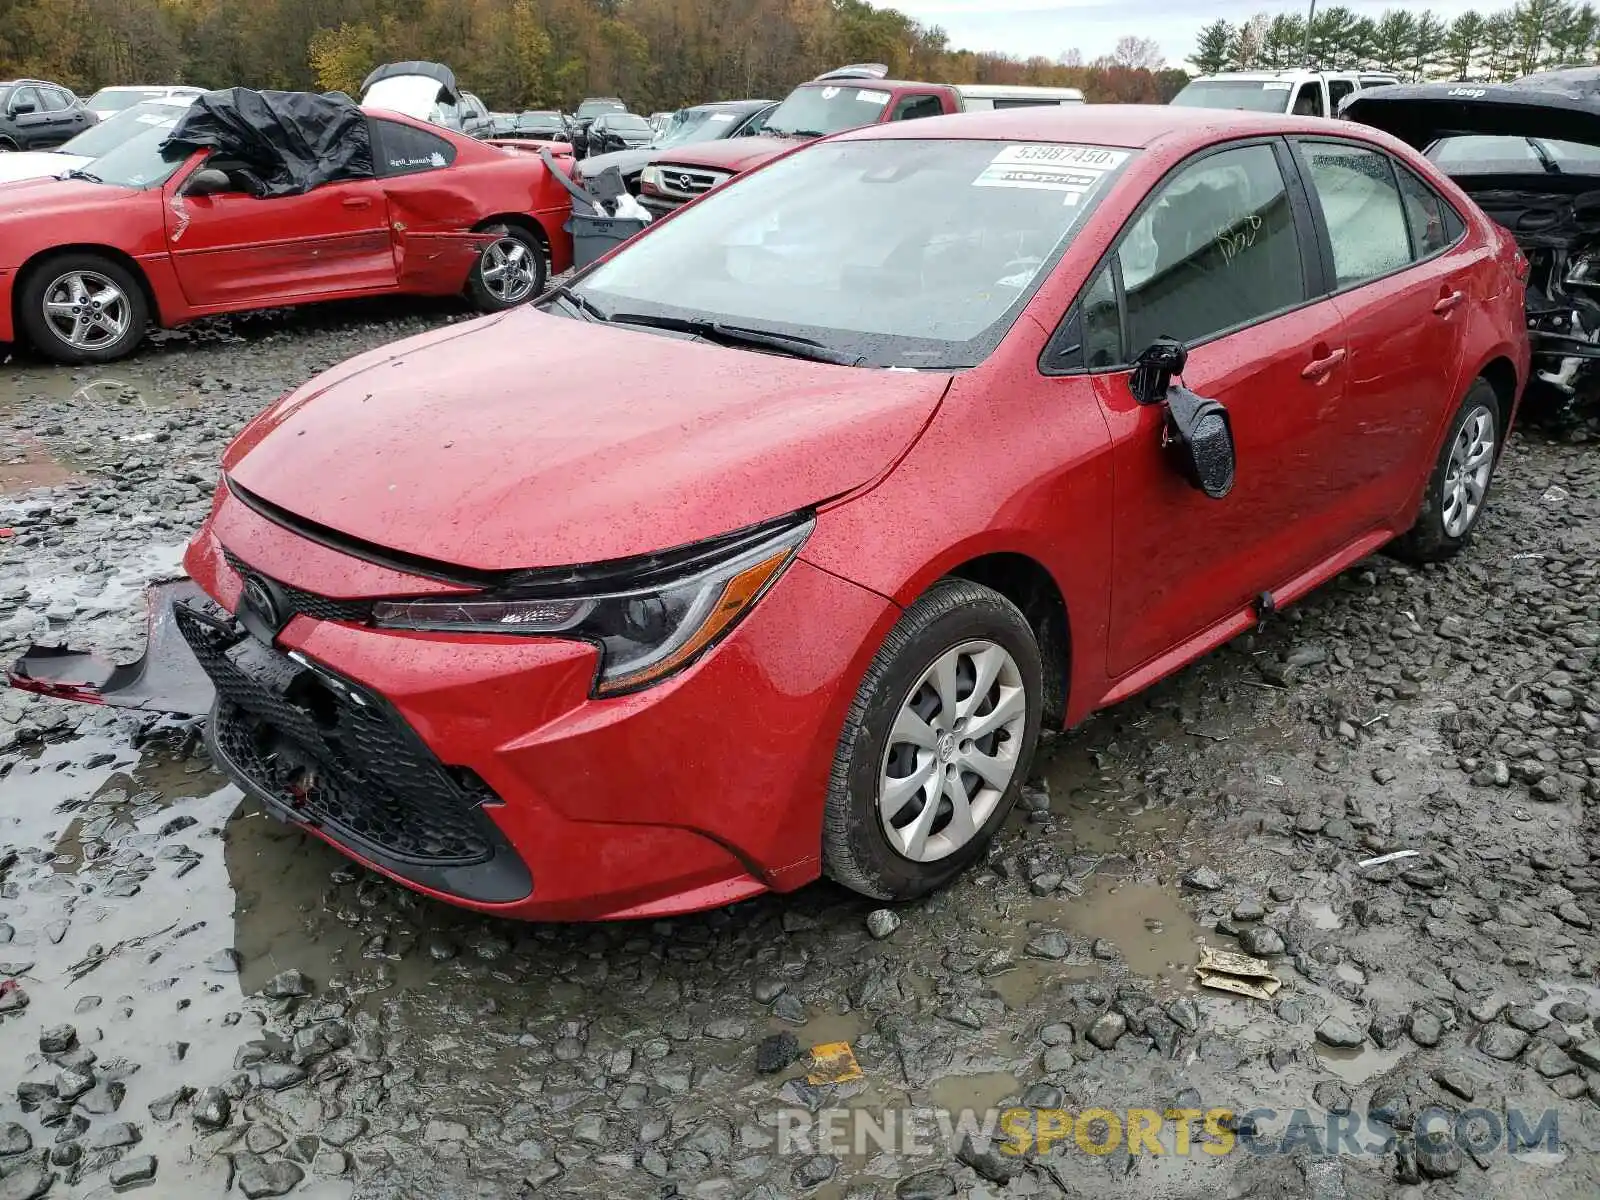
(1051,27)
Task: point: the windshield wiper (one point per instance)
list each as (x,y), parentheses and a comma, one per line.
(76,173)
(791,344)
(1546,159)
(582,303)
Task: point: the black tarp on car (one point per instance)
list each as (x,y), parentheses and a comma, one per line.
(290,141)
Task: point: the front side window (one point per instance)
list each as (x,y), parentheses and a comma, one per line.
(1217,248)
(26,98)
(404,150)
(911,108)
(1361,205)
(1309,101)
(915,252)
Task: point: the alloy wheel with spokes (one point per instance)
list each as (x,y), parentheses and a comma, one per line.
(953,751)
(1466,478)
(509,271)
(87,310)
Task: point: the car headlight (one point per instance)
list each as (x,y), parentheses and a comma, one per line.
(650,617)
(651,175)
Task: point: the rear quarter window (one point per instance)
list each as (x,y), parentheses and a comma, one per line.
(404,150)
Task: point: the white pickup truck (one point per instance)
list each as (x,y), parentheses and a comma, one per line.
(1304,93)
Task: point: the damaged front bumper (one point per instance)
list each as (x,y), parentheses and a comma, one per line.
(167,679)
(311,747)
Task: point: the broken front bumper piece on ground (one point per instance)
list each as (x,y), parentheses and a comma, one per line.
(167,679)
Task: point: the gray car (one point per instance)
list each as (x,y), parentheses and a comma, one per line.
(701,123)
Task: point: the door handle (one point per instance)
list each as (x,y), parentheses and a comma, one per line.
(357,202)
(1319,367)
(1448,301)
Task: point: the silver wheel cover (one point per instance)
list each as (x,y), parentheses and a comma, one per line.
(953,751)
(87,310)
(508,270)
(1466,476)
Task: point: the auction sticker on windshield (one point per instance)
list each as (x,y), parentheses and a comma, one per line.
(1073,170)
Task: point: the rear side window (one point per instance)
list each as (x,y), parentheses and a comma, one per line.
(402,150)
(55,100)
(1361,204)
(1338,89)
(1433,224)
(1215,249)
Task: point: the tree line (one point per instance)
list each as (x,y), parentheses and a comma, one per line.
(516,54)
(1530,36)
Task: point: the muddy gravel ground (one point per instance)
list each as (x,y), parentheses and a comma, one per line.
(197,1000)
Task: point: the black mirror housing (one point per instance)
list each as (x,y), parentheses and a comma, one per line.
(1202,433)
(18,110)
(1153,370)
(208,181)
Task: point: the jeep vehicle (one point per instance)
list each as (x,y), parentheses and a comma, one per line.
(846,98)
(1303,93)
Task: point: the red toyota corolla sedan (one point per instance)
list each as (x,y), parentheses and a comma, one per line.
(764,549)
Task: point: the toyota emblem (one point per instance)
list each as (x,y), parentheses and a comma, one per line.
(260,599)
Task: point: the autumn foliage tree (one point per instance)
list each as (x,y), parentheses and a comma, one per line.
(655,54)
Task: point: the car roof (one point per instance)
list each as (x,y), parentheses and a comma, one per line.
(1130,126)
(1270,76)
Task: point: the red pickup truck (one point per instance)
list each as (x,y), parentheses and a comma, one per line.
(847,98)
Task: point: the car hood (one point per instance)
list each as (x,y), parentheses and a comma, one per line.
(626,161)
(37,198)
(1420,114)
(530,440)
(730,154)
(37,164)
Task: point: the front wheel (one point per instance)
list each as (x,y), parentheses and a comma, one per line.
(936,746)
(510,270)
(83,308)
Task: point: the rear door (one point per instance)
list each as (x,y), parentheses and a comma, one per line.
(236,250)
(1221,257)
(1388,242)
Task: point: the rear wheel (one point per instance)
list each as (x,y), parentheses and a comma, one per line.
(1458,488)
(510,270)
(83,308)
(937,745)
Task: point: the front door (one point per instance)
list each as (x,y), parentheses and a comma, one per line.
(1219,260)
(235,250)
(1405,304)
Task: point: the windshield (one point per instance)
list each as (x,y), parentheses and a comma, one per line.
(899,253)
(119,127)
(117,99)
(1478,154)
(593,108)
(628,123)
(815,111)
(1256,95)
(698,125)
(137,162)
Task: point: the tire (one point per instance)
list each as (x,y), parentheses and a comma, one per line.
(955,620)
(7,146)
(49,299)
(1441,530)
(518,256)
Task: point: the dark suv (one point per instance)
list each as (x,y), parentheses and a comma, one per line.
(35,115)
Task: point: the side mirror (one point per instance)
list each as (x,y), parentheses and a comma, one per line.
(23,107)
(1153,370)
(1198,431)
(208,181)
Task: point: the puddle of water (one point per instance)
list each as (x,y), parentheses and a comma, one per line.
(1149,926)
(1022,984)
(1322,916)
(1359,1064)
(32,467)
(825,1027)
(978,1092)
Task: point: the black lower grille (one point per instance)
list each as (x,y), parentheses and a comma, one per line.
(303,603)
(335,755)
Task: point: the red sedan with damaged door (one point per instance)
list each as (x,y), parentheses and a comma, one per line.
(264,199)
(764,548)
